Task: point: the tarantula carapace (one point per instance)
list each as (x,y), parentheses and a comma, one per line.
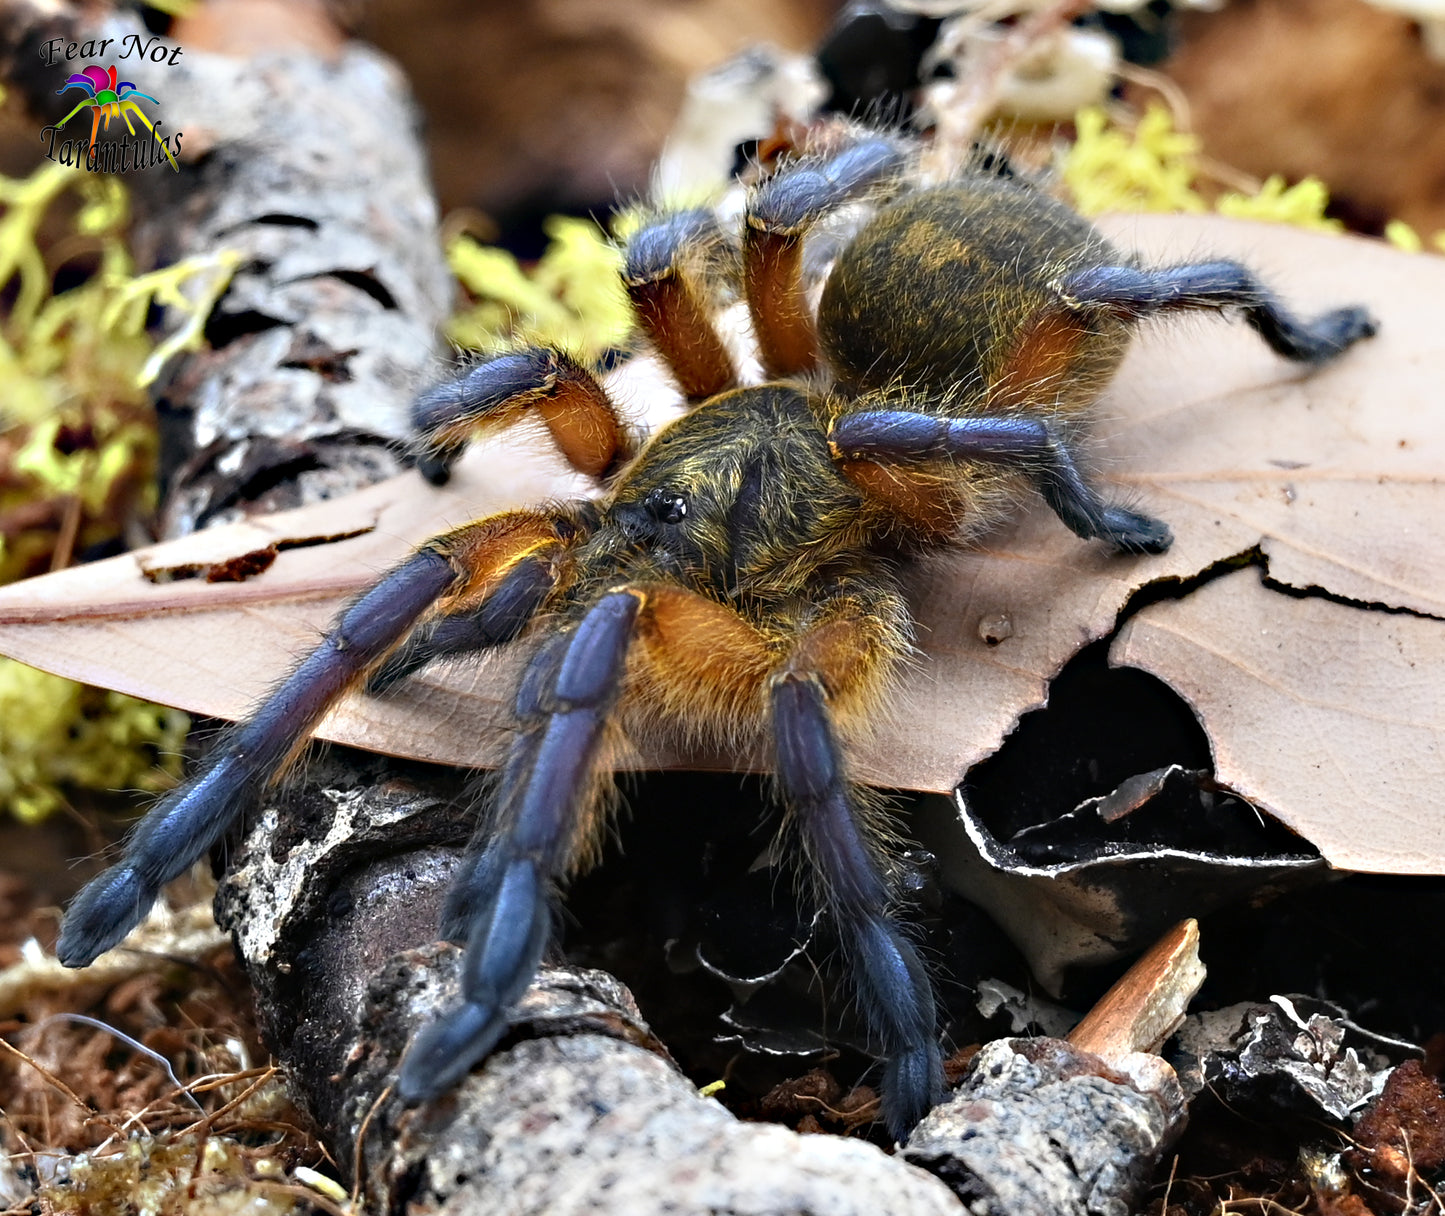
(739,579)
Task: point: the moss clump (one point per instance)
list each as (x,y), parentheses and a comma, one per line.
(177,1173)
(58,734)
(77,434)
(571,298)
(77,457)
(1152,168)
(1156,168)
(1301,205)
(1402,236)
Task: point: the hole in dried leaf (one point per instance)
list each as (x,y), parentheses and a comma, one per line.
(1101,726)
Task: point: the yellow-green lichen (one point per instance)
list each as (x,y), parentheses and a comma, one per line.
(1152,168)
(57,734)
(1156,168)
(1402,236)
(76,423)
(1301,205)
(77,455)
(571,298)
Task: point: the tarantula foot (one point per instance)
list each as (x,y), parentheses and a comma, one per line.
(436,466)
(1315,342)
(1131,532)
(1342,328)
(912,1085)
(444,1052)
(106,909)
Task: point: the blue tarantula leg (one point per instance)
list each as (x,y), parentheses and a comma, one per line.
(1028,443)
(1132,292)
(780,213)
(894,989)
(514,562)
(581,417)
(499,619)
(664,272)
(186,824)
(501,899)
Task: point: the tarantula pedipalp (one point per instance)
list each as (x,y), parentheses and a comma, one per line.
(739,579)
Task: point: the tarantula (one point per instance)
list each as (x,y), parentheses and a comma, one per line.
(740,578)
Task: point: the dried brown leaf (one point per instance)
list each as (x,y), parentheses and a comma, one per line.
(1334,475)
(1326,715)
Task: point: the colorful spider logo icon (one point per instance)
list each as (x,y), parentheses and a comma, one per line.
(109,99)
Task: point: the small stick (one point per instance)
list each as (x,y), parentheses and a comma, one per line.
(69,530)
(1037,1125)
(1147,1004)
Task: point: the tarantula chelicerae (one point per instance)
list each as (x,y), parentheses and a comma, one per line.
(739,579)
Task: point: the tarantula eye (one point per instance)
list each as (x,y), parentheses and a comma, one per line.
(666,506)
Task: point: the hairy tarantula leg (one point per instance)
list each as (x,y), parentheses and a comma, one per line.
(661,283)
(186,824)
(1029,443)
(581,417)
(1139,293)
(500,618)
(892,984)
(780,213)
(515,561)
(502,897)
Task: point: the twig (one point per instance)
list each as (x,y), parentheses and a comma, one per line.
(1147,1004)
(359,1151)
(50,1077)
(69,530)
(208,1123)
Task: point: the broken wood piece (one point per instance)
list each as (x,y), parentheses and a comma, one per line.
(1040,1128)
(1147,1004)
(579,1110)
(1055,1127)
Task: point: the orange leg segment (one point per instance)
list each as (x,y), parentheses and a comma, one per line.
(486,550)
(698,665)
(773,281)
(1040,360)
(923,496)
(665,260)
(780,213)
(672,316)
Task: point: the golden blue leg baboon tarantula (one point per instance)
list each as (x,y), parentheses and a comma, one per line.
(739,579)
